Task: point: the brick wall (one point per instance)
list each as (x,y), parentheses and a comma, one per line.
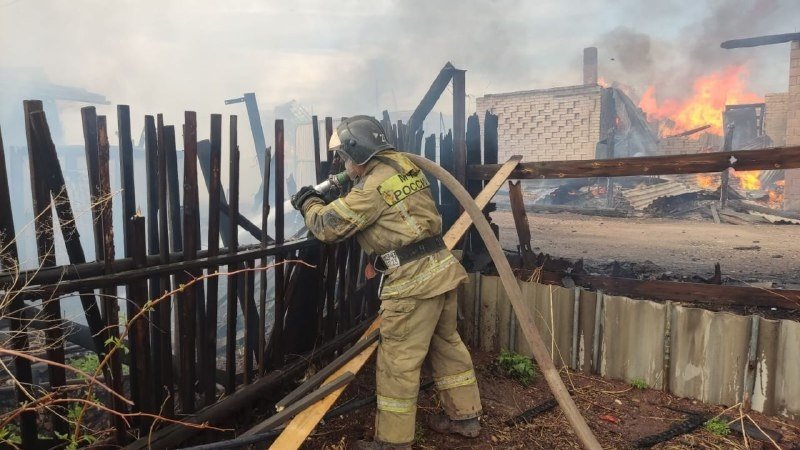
(775,109)
(689,146)
(546,125)
(792,187)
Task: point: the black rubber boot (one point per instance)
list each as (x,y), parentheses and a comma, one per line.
(440,423)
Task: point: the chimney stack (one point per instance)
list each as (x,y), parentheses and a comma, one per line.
(590,65)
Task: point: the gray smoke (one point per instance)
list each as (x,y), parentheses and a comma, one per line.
(641,59)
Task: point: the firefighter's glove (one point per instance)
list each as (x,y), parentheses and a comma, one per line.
(305,193)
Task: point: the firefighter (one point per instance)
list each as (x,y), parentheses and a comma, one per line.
(392,214)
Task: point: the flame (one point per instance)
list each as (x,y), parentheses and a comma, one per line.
(602,82)
(750,180)
(706,181)
(775,199)
(710,95)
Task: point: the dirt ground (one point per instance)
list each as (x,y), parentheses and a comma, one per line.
(746,253)
(617,413)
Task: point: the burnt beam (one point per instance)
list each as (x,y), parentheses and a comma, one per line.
(764,159)
(760,40)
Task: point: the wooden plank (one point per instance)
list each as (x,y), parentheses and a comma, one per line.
(89,121)
(714,213)
(141,369)
(262,294)
(463,223)
(459,123)
(742,160)
(521,223)
(430,98)
(301,426)
(126,173)
(315,131)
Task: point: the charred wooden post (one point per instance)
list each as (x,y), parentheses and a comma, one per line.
(386,123)
(233,280)
(45,242)
(9,261)
(212,285)
(262,289)
(126,173)
(249,289)
(164,324)
(473,148)
(141,368)
(449,209)
(429,99)
(188,296)
(401,137)
(328,134)
(54,179)
(89,120)
(110,301)
(280,291)
(610,181)
(173,190)
(315,131)
(459,119)
(521,224)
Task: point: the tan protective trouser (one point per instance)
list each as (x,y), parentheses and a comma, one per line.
(412,329)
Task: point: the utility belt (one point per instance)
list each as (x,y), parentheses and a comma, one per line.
(408,253)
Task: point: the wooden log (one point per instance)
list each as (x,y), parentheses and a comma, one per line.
(233,281)
(45,248)
(280,291)
(19,339)
(142,386)
(764,159)
(173,435)
(163,325)
(212,285)
(187,313)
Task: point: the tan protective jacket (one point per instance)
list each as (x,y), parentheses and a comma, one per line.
(389,207)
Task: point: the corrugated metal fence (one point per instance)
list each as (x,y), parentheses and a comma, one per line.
(715,357)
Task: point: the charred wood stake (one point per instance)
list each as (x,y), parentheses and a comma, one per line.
(89,120)
(9,261)
(142,387)
(45,248)
(280,305)
(164,323)
(212,285)
(315,130)
(126,173)
(151,181)
(188,296)
(262,294)
(110,301)
(233,243)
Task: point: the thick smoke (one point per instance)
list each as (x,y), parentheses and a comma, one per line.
(671,61)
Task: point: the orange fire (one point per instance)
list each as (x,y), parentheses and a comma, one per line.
(710,95)
(707,181)
(775,199)
(750,180)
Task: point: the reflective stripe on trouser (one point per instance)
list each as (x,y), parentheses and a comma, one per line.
(412,329)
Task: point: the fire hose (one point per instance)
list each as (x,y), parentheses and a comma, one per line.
(524,315)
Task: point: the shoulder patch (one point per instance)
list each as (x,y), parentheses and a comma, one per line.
(400,186)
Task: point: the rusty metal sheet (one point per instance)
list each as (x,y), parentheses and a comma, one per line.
(586,311)
(777,390)
(632,340)
(708,355)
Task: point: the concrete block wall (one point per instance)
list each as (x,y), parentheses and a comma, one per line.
(792,187)
(546,125)
(689,145)
(775,115)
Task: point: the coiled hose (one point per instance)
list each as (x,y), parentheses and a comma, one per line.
(524,315)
